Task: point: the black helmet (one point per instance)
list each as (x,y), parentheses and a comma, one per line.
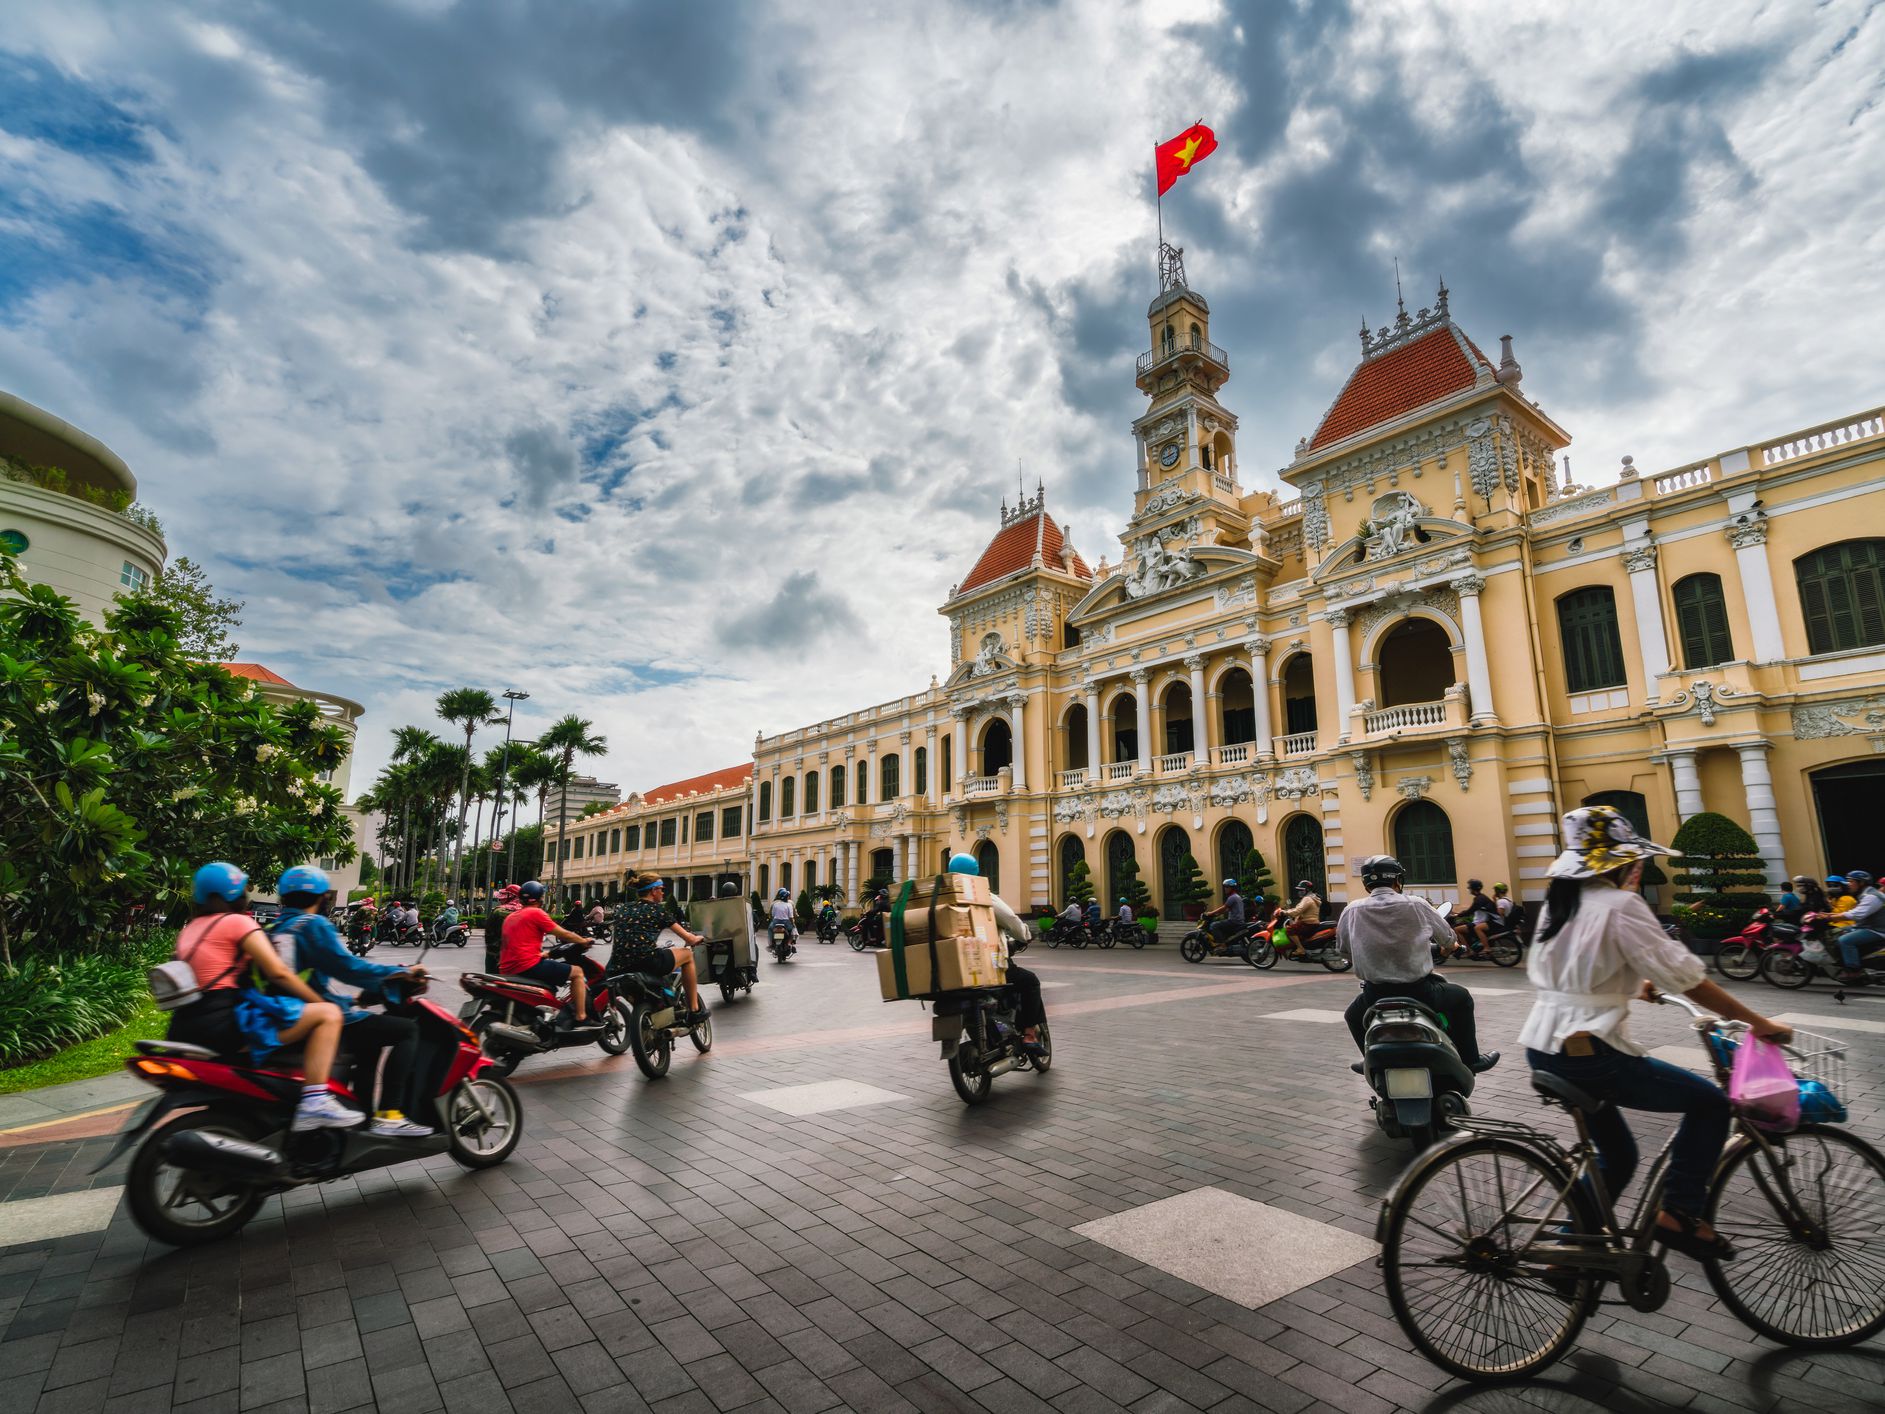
(533,889)
(1859,877)
(1380,870)
(729,889)
(783,894)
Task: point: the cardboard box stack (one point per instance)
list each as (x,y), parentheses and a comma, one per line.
(967,951)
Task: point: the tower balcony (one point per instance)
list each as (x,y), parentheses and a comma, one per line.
(1195,352)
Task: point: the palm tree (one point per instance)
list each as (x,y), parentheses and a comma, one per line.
(532,773)
(492,770)
(441,771)
(410,745)
(471,708)
(479,784)
(567,737)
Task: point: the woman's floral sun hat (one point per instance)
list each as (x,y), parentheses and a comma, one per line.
(1597,839)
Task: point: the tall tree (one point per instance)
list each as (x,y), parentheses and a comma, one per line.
(442,769)
(567,738)
(470,708)
(532,773)
(497,789)
(410,746)
(203,620)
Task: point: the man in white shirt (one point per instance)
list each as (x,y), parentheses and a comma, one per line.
(1391,937)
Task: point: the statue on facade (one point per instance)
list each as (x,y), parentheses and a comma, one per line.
(1160,567)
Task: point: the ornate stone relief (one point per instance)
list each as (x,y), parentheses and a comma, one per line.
(1169,500)
(1315,521)
(1170,799)
(1462,763)
(1001,815)
(1576,506)
(1748,528)
(1284,542)
(1067,810)
(1482,457)
(1159,567)
(1390,526)
(1296,782)
(1414,787)
(1439,564)
(1704,697)
(1364,773)
(1242,596)
(1824,719)
(1439,597)
(1640,559)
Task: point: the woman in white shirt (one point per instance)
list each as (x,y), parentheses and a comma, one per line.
(1597,949)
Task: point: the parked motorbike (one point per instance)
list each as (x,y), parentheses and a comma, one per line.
(1420,1083)
(782,945)
(1129,933)
(1739,957)
(1320,948)
(1794,962)
(981,1041)
(204,1173)
(1061,933)
(516,1017)
(654,1016)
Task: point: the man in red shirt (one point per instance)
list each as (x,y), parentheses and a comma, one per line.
(522,955)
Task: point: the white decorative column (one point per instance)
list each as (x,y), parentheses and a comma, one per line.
(1200,714)
(1018,731)
(1260,693)
(1478,670)
(1092,732)
(1763,812)
(1688,783)
(961,750)
(850,870)
(873,783)
(1646,600)
(1144,705)
(932,768)
(1344,671)
(1747,533)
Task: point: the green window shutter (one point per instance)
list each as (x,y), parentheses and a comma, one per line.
(1842,595)
(1593,649)
(1423,842)
(1702,621)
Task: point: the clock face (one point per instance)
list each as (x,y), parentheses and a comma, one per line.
(1169,457)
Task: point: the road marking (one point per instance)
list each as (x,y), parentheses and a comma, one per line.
(1832,1023)
(87,1124)
(63,1215)
(821,1097)
(1306,1013)
(1244,1251)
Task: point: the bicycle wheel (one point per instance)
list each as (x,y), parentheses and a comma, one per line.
(1813,1276)
(1466,1298)
(1739,959)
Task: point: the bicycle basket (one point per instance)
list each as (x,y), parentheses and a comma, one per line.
(1820,1064)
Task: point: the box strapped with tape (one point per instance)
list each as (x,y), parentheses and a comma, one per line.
(947,943)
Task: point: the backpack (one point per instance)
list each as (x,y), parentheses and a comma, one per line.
(174,984)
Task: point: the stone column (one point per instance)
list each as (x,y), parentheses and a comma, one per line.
(873,783)
(961,750)
(1688,783)
(1646,600)
(1260,694)
(1763,812)
(1092,732)
(1747,533)
(1018,728)
(1344,672)
(1478,669)
(1144,704)
(850,869)
(1200,712)
(932,767)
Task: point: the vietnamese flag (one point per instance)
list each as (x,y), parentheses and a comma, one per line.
(1182,153)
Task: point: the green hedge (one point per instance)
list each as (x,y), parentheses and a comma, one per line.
(50,1002)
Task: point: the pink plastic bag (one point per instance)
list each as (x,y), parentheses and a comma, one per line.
(1762,1085)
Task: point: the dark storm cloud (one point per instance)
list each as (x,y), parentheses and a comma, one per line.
(798,615)
(463,112)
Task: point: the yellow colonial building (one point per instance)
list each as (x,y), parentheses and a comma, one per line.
(1427,645)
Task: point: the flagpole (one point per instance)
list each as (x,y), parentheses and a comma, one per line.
(1158,202)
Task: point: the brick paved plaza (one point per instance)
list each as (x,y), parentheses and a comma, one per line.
(721,1240)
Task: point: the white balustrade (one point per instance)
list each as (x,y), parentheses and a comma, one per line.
(1119,770)
(1176,761)
(1072,780)
(1301,744)
(984,785)
(1289,508)
(1822,440)
(1235,755)
(1410,714)
(1684,480)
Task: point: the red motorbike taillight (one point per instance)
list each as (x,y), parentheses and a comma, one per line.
(159,1068)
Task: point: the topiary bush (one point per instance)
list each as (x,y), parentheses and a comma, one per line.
(1720,874)
(1194,890)
(1254,878)
(1080,884)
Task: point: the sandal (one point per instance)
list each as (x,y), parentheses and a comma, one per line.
(1684,1239)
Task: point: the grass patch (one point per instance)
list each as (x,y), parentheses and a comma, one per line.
(99,1056)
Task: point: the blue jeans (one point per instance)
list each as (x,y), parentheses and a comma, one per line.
(1642,1083)
(1855,943)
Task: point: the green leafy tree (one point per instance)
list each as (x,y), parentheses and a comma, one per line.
(568,737)
(1193,887)
(1720,872)
(470,708)
(125,763)
(1080,884)
(802,908)
(204,621)
(1254,877)
(1132,888)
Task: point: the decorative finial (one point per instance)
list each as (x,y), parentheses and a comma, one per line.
(1440,303)
(1509,372)
(1399,303)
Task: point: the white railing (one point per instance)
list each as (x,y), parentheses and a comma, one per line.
(1409,714)
(1823,440)
(1302,744)
(1072,780)
(1289,508)
(1684,480)
(983,785)
(1119,771)
(1176,761)
(1234,755)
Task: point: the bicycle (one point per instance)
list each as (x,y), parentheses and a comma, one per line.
(1496,1245)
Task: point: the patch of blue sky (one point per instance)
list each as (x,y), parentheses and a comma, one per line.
(43,244)
(641,676)
(576,512)
(38,101)
(404,583)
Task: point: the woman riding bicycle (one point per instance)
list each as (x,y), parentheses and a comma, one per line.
(1598,948)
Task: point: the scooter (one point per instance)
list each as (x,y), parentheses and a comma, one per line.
(516,1017)
(980,1040)
(1740,957)
(454,936)
(653,1012)
(1201,943)
(782,945)
(1503,946)
(1420,1083)
(827,928)
(1320,948)
(202,1174)
(1074,935)
(1792,964)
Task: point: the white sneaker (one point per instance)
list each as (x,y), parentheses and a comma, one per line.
(397,1126)
(323,1111)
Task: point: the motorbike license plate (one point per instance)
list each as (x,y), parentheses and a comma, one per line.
(1407,1083)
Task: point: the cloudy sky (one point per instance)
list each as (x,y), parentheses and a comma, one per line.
(670,361)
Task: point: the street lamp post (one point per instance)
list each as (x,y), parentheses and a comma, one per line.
(512,696)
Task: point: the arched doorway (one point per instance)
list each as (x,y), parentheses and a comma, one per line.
(1176,709)
(884,864)
(1303,855)
(1121,860)
(989,858)
(1299,695)
(1125,723)
(1416,663)
(997,746)
(1423,842)
(1072,852)
(1074,753)
(1846,799)
(1234,841)
(1173,845)
(1238,707)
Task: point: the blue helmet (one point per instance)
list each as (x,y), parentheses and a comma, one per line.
(218,881)
(303,879)
(963,864)
(533,889)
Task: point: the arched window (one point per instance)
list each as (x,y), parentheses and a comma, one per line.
(863,785)
(997,746)
(1628,803)
(989,858)
(811,792)
(837,786)
(1121,866)
(919,768)
(1587,627)
(1170,339)
(1237,696)
(1125,727)
(811,874)
(765,881)
(1173,845)
(1072,852)
(1842,595)
(1177,710)
(1416,663)
(891,768)
(785,875)
(1423,842)
(1234,842)
(786,787)
(1702,621)
(1075,752)
(765,800)
(1299,695)
(1304,856)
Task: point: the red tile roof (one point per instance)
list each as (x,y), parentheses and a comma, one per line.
(1389,385)
(255,672)
(713,780)
(1014,548)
